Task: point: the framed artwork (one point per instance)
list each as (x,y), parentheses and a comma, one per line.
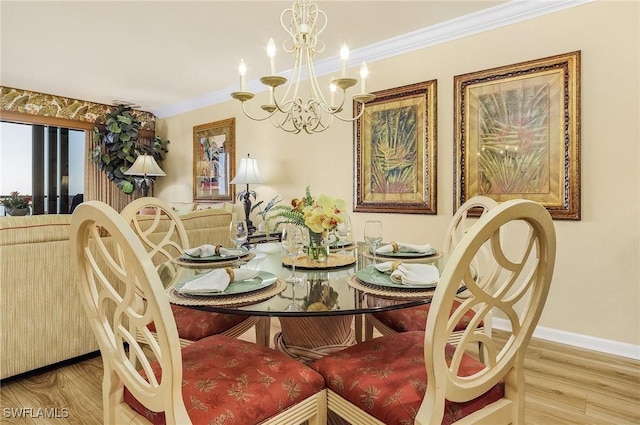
(395,151)
(214,160)
(517,132)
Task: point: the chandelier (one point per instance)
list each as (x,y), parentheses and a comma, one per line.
(303,22)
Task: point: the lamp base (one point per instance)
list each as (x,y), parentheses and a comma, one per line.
(246,201)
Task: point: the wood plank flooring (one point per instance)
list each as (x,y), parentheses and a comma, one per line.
(565,385)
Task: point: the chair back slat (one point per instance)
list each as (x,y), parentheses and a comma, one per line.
(161,232)
(519,292)
(112,269)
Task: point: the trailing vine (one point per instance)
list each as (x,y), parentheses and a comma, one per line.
(117,147)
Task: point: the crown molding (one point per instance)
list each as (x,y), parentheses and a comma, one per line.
(498,16)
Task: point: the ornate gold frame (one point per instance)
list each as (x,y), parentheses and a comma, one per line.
(517,132)
(395,151)
(214,161)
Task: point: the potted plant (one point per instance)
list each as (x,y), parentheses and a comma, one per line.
(117,147)
(263,212)
(16,204)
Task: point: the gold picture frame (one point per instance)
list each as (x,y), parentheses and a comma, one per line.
(395,151)
(517,132)
(214,161)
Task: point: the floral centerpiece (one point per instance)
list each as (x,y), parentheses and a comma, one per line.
(16,202)
(318,215)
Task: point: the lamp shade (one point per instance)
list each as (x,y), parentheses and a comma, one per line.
(247,172)
(145,165)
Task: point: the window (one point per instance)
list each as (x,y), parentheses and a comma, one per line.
(46,162)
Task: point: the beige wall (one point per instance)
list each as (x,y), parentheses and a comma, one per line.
(596,289)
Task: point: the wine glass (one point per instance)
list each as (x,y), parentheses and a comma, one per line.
(293,243)
(343,230)
(373,235)
(238,232)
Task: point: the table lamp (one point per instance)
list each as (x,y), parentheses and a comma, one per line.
(145,166)
(247,174)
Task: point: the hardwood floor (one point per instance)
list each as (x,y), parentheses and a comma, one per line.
(565,385)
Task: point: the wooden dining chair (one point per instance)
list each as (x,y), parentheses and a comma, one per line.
(413,319)
(418,377)
(164,237)
(217,379)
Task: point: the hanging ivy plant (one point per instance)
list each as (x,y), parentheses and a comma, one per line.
(117,147)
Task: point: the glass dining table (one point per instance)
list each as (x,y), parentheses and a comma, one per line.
(321,314)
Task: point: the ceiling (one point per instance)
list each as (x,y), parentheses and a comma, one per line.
(167,57)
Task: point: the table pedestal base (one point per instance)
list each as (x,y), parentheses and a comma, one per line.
(310,338)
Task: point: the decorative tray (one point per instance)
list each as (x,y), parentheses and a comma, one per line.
(334,261)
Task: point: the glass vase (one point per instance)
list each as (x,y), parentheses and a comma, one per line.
(317,248)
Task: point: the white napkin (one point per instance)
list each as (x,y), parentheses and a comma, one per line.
(404,247)
(411,274)
(210,250)
(216,281)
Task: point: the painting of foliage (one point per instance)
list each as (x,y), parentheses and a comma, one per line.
(394,149)
(517,134)
(514,141)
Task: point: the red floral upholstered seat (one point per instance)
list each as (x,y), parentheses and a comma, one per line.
(194,325)
(229,381)
(372,376)
(414,318)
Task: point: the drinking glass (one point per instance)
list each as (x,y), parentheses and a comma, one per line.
(343,230)
(238,232)
(373,235)
(292,242)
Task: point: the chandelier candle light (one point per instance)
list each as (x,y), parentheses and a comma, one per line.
(303,22)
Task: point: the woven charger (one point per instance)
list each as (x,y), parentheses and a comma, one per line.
(405,259)
(213,264)
(401,293)
(238,300)
(334,261)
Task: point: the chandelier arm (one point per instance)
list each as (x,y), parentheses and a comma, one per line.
(293,83)
(315,86)
(244,109)
(349,119)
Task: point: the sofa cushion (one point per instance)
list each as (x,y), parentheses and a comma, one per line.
(184,208)
(34,229)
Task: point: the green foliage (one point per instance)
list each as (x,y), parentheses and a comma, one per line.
(263,212)
(394,151)
(117,147)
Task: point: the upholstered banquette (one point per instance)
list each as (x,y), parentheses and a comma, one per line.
(42,320)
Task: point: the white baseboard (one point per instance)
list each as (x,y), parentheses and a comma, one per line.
(577,340)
